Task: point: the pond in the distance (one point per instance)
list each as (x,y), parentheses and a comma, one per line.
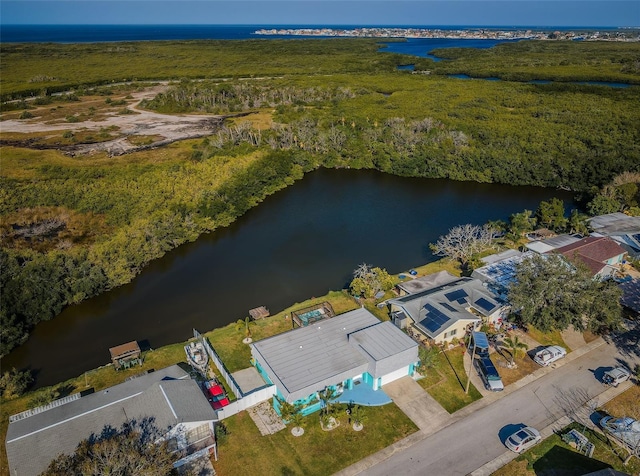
(299,243)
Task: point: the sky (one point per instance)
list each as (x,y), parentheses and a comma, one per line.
(506,13)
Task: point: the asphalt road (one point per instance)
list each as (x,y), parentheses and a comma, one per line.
(477,439)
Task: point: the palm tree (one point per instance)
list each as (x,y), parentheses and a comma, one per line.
(245,324)
(326,397)
(358,417)
(428,358)
(514,346)
(296,420)
(287,410)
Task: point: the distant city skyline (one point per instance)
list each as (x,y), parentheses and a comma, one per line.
(496,13)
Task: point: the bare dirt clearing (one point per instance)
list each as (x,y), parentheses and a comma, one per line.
(162,128)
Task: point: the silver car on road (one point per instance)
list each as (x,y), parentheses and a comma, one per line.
(523,439)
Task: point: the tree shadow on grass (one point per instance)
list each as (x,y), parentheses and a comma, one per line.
(453,369)
(559,460)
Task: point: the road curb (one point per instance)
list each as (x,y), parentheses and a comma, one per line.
(410,440)
(508,456)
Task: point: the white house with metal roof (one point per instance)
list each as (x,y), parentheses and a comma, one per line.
(354,349)
(447,311)
(623,229)
(499,271)
(174,402)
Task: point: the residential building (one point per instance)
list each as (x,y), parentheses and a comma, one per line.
(422,283)
(354,349)
(174,402)
(447,311)
(623,229)
(499,271)
(631,296)
(601,255)
(549,244)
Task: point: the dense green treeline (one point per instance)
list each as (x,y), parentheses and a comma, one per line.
(75,227)
(28,69)
(550,60)
(556,135)
(151,209)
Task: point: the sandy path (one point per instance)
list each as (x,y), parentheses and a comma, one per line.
(169,128)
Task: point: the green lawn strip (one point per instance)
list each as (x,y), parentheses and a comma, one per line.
(554,456)
(547,338)
(317,452)
(450,392)
(444,264)
(227,341)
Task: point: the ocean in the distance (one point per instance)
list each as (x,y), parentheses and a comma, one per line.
(105,33)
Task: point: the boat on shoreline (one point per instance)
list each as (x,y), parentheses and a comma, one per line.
(197,356)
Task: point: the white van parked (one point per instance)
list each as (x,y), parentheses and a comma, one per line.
(549,355)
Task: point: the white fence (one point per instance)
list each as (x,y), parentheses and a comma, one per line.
(243,401)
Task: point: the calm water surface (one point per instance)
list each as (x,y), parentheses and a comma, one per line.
(299,243)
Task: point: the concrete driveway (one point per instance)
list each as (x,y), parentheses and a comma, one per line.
(417,404)
(473,437)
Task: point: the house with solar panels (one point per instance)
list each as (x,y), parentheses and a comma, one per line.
(447,311)
(354,354)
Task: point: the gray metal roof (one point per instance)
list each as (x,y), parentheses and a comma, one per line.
(500,256)
(550,244)
(169,396)
(427,282)
(306,360)
(615,224)
(381,341)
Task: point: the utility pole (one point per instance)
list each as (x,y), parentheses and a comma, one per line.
(473,354)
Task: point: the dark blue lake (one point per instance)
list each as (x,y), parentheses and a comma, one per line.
(300,242)
(422,47)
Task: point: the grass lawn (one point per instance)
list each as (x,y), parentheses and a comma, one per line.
(227,341)
(524,366)
(547,338)
(317,452)
(555,457)
(446,383)
(625,404)
(444,264)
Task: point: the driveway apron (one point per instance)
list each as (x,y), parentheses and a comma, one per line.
(417,404)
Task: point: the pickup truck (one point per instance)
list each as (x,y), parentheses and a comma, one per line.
(549,355)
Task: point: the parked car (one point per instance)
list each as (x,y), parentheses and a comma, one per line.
(549,355)
(489,374)
(616,376)
(523,439)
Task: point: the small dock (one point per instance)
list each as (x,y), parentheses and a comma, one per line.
(259,313)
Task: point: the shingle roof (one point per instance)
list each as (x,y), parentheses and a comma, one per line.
(631,294)
(169,396)
(437,309)
(592,251)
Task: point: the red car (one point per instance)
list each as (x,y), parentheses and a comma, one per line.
(216,395)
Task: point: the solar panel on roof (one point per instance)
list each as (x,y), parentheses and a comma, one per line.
(456,295)
(484,304)
(434,318)
(448,306)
